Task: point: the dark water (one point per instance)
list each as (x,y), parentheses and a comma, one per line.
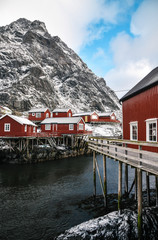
(40,201)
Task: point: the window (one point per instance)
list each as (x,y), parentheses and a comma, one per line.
(33,114)
(113,117)
(134,131)
(25,128)
(34,129)
(7,127)
(94,117)
(151,130)
(47,127)
(38,115)
(47,115)
(80,126)
(56,114)
(71,127)
(69,114)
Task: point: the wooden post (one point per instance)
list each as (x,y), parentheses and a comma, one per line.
(105,180)
(119,186)
(156,185)
(148,188)
(94,173)
(139,172)
(126,179)
(27,145)
(135,183)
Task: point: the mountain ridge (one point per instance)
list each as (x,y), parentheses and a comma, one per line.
(37,69)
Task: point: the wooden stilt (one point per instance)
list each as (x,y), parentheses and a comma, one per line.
(94,173)
(148,188)
(156,186)
(126,179)
(105,180)
(135,183)
(119,186)
(139,172)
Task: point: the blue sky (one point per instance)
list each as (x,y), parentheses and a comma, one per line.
(117,39)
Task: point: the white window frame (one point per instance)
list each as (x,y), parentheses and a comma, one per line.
(47,127)
(69,114)
(148,122)
(94,116)
(47,115)
(25,128)
(56,113)
(80,126)
(34,129)
(133,124)
(38,115)
(71,126)
(7,127)
(33,114)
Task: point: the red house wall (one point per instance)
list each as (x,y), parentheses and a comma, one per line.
(16,129)
(62,114)
(64,129)
(140,108)
(94,120)
(43,116)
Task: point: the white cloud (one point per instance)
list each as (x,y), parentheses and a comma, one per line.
(69,19)
(135,55)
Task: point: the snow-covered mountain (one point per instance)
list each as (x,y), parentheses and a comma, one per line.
(37,69)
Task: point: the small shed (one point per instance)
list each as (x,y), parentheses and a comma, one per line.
(88,117)
(37,115)
(140,110)
(108,117)
(14,126)
(59,126)
(57,112)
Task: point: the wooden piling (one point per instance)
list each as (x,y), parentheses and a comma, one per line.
(135,183)
(94,174)
(139,175)
(148,188)
(119,186)
(105,180)
(126,178)
(156,186)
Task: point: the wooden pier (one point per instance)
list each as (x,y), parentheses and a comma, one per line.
(139,159)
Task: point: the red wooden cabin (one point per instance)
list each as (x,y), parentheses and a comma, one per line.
(59,126)
(61,113)
(140,110)
(88,117)
(14,126)
(108,117)
(37,115)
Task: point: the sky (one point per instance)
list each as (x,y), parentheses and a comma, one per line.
(117,39)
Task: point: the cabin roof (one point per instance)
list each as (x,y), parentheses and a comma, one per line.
(83,114)
(105,114)
(147,82)
(20,120)
(61,109)
(65,120)
(37,110)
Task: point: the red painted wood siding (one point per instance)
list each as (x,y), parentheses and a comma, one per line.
(64,129)
(62,114)
(16,129)
(140,108)
(108,118)
(39,119)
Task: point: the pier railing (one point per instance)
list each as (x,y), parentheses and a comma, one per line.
(129,152)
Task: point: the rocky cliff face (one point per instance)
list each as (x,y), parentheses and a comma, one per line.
(37,69)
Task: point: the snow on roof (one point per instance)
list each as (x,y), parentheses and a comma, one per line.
(61,109)
(37,110)
(105,114)
(66,120)
(83,114)
(20,120)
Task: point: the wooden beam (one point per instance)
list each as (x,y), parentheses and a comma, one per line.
(105,180)
(94,174)
(119,186)
(139,172)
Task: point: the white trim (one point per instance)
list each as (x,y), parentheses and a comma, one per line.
(47,127)
(135,123)
(151,121)
(71,126)
(7,127)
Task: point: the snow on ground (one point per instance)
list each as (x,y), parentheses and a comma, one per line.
(105,130)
